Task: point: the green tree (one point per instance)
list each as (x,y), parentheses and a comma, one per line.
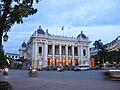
(113,56)
(13,11)
(99,45)
(102,52)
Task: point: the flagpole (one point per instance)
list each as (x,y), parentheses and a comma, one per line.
(56,31)
(63,30)
(69,31)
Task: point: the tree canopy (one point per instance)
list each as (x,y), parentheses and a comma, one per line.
(99,45)
(103,55)
(102,52)
(13,11)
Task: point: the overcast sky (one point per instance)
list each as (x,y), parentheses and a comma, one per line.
(98,19)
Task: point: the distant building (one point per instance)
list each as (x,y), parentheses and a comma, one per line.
(17,61)
(45,49)
(13,56)
(93,51)
(114,45)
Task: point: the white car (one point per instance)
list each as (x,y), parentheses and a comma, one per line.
(84,67)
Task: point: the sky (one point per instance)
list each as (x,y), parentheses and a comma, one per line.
(98,19)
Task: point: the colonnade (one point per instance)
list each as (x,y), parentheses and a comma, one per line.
(60,59)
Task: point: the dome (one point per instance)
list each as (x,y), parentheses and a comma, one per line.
(24,44)
(40,30)
(82,35)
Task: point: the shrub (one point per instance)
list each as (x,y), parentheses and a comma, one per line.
(4,85)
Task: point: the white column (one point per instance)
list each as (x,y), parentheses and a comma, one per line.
(66,48)
(33,51)
(36,51)
(34,55)
(53,54)
(88,54)
(60,54)
(81,53)
(72,54)
(45,54)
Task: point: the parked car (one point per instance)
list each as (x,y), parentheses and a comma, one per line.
(113,74)
(76,68)
(71,67)
(83,67)
(60,68)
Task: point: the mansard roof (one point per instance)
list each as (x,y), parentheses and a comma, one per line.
(24,44)
(82,35)
(40,30)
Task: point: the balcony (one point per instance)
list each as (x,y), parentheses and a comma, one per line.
(70,55)
(49,55)
(57,55)
(63,55)
(76,56)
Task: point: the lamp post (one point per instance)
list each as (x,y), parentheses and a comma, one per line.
(2,57)
(5,37)
(98,64)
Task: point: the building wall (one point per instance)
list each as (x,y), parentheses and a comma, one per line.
(111,46)
(12,55)
(49,50)
(114,45)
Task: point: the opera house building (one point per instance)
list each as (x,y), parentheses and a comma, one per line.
(45,49)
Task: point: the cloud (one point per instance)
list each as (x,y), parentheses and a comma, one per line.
(95,18)
(79,12)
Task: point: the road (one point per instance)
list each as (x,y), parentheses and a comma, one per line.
(66,80)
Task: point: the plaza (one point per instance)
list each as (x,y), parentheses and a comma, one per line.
(66,80)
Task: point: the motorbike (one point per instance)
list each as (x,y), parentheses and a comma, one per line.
(112,74)
(32,73)
(5,71)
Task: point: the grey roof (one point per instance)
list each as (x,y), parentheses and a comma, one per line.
(24,44)
(47,32)
(82,35)
(40,30)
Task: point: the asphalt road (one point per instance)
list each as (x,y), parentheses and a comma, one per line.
(66,80)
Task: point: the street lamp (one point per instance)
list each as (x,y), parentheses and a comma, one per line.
(5,37)
(98,62)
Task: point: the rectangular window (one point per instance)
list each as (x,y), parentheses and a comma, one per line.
(84,52)
(75,51)
(63,50)
(40,50)
(69,50)
(50,49)
(56,50)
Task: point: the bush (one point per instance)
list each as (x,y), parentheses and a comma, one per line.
(4,85)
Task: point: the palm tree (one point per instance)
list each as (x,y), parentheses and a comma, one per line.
(102,52)
(99,45)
